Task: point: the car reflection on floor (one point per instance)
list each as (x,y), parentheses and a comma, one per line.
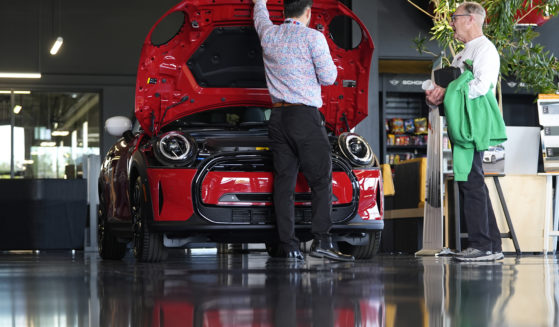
(250,289)
(232,291)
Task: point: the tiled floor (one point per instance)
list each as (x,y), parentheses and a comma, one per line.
(207,289)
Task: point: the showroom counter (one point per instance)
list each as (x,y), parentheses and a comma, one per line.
(40,214)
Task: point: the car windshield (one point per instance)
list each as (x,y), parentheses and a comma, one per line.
(226,117)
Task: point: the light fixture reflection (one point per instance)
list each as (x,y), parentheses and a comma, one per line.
(48,144)
(17,109)
(60,133)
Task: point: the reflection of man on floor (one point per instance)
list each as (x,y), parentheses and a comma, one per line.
(478,289)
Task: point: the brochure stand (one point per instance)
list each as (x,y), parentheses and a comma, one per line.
(433,211)
(548,113)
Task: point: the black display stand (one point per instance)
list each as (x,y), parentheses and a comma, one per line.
(42,214)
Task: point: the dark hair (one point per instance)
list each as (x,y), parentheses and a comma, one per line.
(295,8)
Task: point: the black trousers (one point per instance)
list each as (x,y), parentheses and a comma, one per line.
(299,143)
(476,209)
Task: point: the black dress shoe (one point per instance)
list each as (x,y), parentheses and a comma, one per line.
(323,248)
(294,255)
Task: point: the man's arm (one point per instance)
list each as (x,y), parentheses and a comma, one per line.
(486,69)
(261,17)
(326,71)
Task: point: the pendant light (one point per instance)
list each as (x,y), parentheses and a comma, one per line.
(59,40)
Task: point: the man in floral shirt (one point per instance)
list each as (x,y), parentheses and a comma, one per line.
(297,62)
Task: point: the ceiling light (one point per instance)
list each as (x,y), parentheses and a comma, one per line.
(20,75)
(56,46)
(60,133)
(48,144)
(17,109)
(15,92)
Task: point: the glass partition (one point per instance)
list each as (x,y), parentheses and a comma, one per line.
(51,132)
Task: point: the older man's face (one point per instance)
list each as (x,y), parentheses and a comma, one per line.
(461,22)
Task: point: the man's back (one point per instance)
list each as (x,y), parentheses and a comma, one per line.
(296,58)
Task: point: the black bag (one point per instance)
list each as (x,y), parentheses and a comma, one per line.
(444,76)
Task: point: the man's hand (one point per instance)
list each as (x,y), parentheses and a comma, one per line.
(435,96)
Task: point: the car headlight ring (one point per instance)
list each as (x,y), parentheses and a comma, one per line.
(356,149)
(175,148)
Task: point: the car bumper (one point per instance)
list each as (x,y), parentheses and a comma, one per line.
(212,196)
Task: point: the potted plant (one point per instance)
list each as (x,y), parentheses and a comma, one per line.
(510,26)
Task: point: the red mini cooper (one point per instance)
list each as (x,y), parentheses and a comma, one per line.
(196,168)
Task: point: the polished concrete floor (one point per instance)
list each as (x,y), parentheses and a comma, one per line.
(209,289)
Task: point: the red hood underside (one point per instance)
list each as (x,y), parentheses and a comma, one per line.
(167,89)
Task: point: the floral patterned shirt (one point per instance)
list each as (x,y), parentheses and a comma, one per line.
(297,59)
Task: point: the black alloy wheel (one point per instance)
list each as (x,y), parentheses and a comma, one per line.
(109,246)
(148,246)
(363,251)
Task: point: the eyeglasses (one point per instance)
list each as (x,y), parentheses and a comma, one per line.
(453,17)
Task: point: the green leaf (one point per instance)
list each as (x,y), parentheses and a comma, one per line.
(522,59)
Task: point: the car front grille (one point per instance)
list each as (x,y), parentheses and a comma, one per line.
(262,212)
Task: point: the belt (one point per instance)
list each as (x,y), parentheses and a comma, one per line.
(286,104)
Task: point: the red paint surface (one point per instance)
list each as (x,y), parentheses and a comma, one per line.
(176,185)
(217,184)
(168,62)
(370,182)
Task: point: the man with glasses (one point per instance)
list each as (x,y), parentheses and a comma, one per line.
(484,238)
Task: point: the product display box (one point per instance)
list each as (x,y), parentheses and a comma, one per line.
(548,114)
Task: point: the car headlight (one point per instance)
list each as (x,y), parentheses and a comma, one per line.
(355,148)
(175,148)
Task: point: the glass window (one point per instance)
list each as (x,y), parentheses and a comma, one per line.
(52,132)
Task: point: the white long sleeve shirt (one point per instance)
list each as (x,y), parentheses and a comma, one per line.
(486,64)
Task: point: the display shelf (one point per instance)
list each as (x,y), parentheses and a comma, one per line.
(404,100)
(406,147)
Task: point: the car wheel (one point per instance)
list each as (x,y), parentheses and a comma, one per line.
(493,159)
(274,249)
(109,246)
(363,251)
(148,246)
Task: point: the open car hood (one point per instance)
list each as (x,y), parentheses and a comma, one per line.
(205,54)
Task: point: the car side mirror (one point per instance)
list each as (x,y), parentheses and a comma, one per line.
(118,125)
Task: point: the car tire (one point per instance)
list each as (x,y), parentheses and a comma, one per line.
(363,251)
(148,246)
(109,246)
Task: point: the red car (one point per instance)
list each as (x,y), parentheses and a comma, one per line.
(197,167)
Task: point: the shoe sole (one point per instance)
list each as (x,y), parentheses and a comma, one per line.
(323,255)
(489,257)
(498,256)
